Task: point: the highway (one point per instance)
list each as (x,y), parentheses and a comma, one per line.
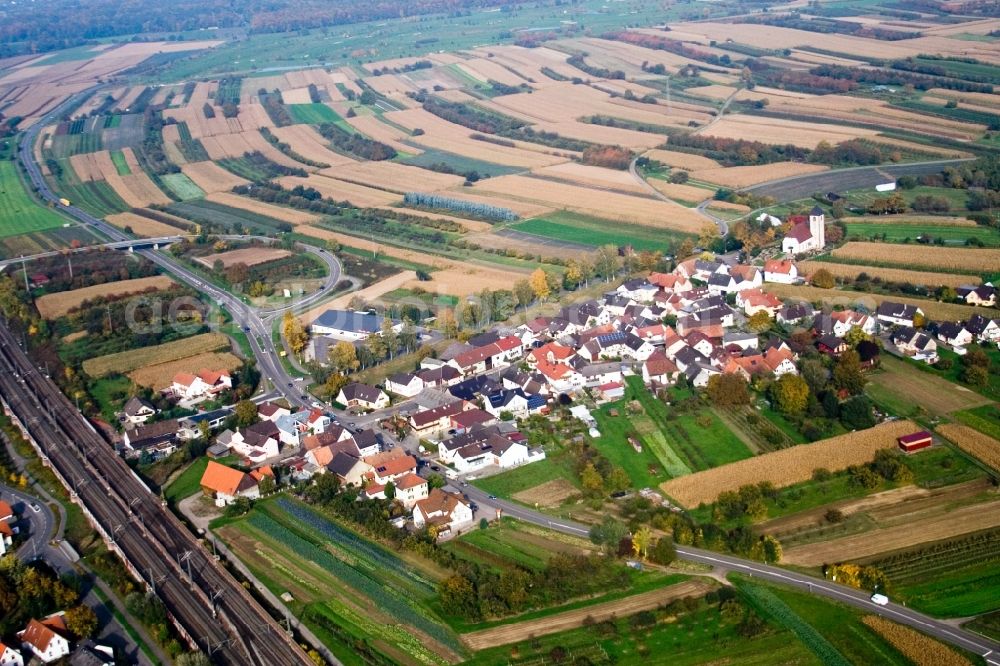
(204,599)
(944,631)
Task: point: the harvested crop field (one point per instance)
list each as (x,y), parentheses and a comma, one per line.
(310,144)
(212,178)
(681,193)
(920,649)
(137,190)
(781,131)
(926,278)
(548,494)
(143,226)
(393,177)
(519,631)
(746,176)
(93,166)
(471,225)
(833,297)
(944,258)
(603,204)
(290,215)
(787,466)
(53,306)
(685,161)
(593,176)
(250,256)
(973,442)
(908,531)
(375,129)
(339,190)
(369,294)
(134,359)
(160,376)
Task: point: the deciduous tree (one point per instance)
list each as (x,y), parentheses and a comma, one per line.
(245,412)
(847,374)
(540,284)
(294,332)
(791,393)
(344,357)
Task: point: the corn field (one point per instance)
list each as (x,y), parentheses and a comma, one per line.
(920,649)
(944,258)
(133,359)
(973,442)
(851,271)
(787,466)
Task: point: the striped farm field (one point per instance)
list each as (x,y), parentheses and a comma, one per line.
(134,359)
(182,186)
(746,176)
(952,234)
(933,309)
(143,226)
(973,442)
(934,257)
(18,213)
(393,177)
(290,215)
(911,220)
(787,466)
(53,306)
(160,375)
(210,177)
(926,278)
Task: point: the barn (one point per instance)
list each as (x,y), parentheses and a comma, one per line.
(915,441)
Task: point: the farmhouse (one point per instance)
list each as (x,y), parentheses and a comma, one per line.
(46,638)
(349,326)
(363,396)
(807,234)
(225,484)
(446,512)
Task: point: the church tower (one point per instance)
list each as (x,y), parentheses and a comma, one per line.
(817,226)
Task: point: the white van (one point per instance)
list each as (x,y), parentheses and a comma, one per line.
(880,599)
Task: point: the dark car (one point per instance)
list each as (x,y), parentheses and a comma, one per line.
(289,385)
(435,468)
(493,497)
(246,329)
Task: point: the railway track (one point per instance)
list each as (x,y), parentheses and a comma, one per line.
(207,604)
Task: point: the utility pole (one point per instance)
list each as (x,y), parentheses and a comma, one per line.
(24,270)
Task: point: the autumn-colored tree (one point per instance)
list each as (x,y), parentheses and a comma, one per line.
(856,336)
(728,390)
(591,480)
(919,320)
(823,279)
(664,551)
(791,393)
(267,485)
(573,275)
(759,321)
(707,235)
(334,383)
(344,357)
(540,284)
(390,336)
(641,540)
(294,332)
(446,323)
(685,249)
(766,549)
(245,412)
(81,621)
(847,374)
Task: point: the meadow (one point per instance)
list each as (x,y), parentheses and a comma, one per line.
(19,214)
(899,233)
(314,114)
(576,228)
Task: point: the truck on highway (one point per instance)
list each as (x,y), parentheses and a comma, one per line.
(880,599)
(64,202)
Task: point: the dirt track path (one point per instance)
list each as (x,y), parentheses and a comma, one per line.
(511,633)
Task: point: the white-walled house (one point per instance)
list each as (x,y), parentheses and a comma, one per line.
(782,271)
(187,386)
(9,656)
(45,638)
(225,484)
(446,512)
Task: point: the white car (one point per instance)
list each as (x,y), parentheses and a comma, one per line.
(880,599)
(35,507)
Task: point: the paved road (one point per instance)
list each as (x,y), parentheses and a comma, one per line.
(839,180)
(700,209)
(940,629)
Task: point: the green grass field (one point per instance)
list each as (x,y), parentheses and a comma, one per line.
(556,465)
(110,393)
(594,231)
(120,164)
(909,232)
(985,419)
(459,163)
(19,214)
(188,482)
(314,114)
(182,186)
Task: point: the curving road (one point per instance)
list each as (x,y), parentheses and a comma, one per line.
(942,630)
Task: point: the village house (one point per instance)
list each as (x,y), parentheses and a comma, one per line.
(672,282)
(754,300)
(389,466)
(349,470)
(510,401)
(157,439)
(46,638)
(136,412)
(985,329)
(659,371)
(746,277)
(831,345)
(739,340)
(9,656)
(447,513)
(439,377)
(897,314)
(782,271)
(639,289)
(7,520)
(271,412)
(839,323)
(357,395)
(915,344)
(190,387)
(427,423)
(404,384)
(408,490)
(984,295)
(954,334)
(224,484)
(792,314)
